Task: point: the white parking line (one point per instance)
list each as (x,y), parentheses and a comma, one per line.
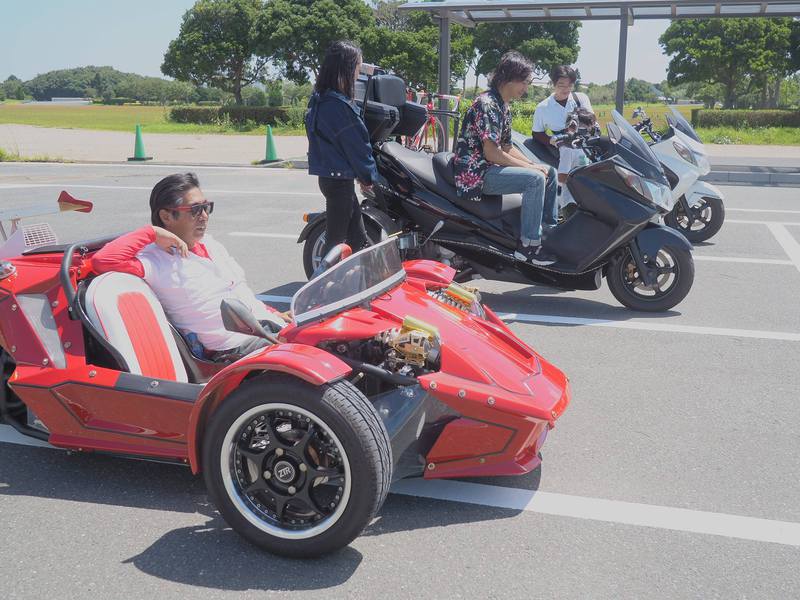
(12,186)
(737,259)
(749,222)
(787,242)
(563,505)
(616,324)
(287,236)
(151,166)
(611,511)
(761,210)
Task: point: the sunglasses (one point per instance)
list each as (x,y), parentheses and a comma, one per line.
(196,209)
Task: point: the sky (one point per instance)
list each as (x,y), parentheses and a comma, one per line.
(43,35)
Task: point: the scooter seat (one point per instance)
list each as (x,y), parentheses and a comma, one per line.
(436,173)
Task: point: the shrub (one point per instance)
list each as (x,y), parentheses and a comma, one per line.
(745,119)
(235,115)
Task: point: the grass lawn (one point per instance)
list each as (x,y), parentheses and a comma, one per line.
(153,119)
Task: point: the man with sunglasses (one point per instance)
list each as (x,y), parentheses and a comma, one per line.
(189,271)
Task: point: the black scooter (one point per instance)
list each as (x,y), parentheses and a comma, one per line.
(613,234)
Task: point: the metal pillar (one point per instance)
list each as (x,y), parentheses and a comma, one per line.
(624,22)
(444,68)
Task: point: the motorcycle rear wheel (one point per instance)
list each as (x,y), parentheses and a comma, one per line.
(315,243)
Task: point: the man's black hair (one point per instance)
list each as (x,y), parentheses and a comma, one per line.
(169,192)
(512,67)
(563,72)
(338,68)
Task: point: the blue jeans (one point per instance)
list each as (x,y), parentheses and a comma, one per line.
(538,197)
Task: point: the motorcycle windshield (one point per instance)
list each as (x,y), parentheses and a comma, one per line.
(636,152)
(679,122)
(355,280)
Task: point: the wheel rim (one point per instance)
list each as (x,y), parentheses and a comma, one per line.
(286,471)
(665,268)
(319,245)
(698,219)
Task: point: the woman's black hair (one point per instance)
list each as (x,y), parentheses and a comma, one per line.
(338,68)
(563,72)
(512,67)
(169,192)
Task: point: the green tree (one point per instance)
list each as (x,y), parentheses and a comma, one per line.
(638,90)
(296,33)
(216,46)
(741,55)
(408,44)
(544,44)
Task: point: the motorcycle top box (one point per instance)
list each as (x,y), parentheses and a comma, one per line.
(388,370)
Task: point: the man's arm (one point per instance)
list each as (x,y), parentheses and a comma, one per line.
(512,158)
(120,255)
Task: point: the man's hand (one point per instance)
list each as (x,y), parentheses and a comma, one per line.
(553,141)
(543,169)
(286,316)
(169,242)
(365,187)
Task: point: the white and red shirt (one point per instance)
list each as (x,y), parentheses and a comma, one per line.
(190,289)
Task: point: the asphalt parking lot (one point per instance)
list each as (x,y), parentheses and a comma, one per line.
(673,474)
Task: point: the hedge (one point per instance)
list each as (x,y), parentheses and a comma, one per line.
(239,115)
(742,119)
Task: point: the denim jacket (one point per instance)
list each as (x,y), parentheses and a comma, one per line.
(338,141)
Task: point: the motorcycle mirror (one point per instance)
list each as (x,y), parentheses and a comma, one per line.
(368,69)
(433,232)
(614,132)
(237,317)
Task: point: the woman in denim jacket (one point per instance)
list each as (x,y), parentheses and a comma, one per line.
(339,150)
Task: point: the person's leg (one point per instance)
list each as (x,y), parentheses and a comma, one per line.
(510,180)
(550,211)
(338,208)
(356,234)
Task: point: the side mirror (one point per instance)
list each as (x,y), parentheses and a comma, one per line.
(237,317)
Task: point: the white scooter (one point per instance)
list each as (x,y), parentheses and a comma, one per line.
(699,208)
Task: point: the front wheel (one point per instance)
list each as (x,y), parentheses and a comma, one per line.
(672,268)
(296,469)
(315,244)
(703,221)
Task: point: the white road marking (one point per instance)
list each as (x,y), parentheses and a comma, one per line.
(288,236)
(787,242)
(761,210)
(749,222)
(611,511)
(737,259)
(614,324)
(67,186)
(160,166)
(563,505)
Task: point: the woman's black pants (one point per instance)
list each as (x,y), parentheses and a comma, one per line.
(344,222)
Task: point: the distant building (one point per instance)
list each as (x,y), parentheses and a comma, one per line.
(71,100)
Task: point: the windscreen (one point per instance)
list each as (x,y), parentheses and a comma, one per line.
(636,152)
(679,122)
(357,279)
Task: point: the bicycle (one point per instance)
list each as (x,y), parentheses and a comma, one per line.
(431,137)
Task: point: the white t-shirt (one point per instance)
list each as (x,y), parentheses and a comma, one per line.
(191,290)
(551,115)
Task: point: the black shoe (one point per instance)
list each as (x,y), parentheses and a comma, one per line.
(534,255)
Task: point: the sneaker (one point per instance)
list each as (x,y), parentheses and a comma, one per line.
(534,255)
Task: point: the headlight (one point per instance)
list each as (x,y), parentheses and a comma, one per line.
(685,153)
(657,193)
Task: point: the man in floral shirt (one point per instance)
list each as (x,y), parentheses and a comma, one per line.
(487,163)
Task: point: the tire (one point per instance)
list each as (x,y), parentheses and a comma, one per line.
(289,428)
(627,287)
(315,242)
(713,211)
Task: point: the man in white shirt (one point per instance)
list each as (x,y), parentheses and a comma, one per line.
(550,117)
(189,272)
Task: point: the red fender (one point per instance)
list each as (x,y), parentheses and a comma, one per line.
(430,270)
(314,365)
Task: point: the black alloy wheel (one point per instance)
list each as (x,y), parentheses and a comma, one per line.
(672,270)
(702,221)
(296,469)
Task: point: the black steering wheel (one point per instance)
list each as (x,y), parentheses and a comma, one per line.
(336,254)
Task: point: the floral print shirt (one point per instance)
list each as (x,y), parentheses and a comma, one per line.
(488,118)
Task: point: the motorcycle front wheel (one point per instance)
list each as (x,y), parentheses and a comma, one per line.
(703,222)
(672,268)
(315,244)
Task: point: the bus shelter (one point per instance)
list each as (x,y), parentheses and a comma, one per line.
(471,12)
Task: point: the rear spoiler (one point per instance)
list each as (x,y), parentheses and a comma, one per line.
(65,203)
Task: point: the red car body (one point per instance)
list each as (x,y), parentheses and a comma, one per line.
(499,398)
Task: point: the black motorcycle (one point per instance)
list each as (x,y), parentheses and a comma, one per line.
(613,234)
